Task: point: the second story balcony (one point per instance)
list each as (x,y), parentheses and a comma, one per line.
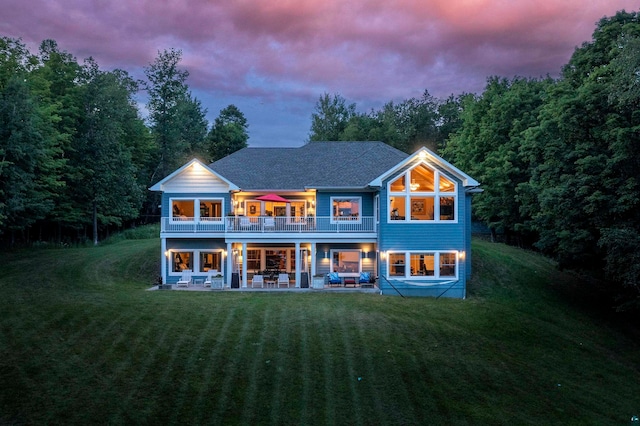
(268,225)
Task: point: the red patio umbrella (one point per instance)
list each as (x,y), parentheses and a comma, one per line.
(273,197)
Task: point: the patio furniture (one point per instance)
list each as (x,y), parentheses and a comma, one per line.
(257,280)
(334,279)
(210,274)
(269,223)
(283,279)
(349,281)
(185,279)
(365,280)
(245,222)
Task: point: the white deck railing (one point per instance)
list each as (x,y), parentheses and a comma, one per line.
(268,224)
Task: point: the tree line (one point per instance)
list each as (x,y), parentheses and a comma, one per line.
(559,159)
(76,156)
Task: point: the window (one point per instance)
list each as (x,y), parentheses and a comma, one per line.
(182,209)
(347,261)
(422,265)
(210,209)
(210,261)
(185,209)
(346,208)
(181,260)
(254,260)
(397,267)
(198,261)
(421,199)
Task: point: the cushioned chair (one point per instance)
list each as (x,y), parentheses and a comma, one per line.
(365,280)
(334,279)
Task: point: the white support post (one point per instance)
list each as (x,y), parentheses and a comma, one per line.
(163,262)
(297,264)
(314,253)
(244,264)
(229,261)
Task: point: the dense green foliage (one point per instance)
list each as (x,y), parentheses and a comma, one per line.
(560,160)
(82,342)
(406,125)
(76,157)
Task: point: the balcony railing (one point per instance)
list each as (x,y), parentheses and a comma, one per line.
(268,224)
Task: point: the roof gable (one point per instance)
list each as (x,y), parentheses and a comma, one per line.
(194,176)
(431,159)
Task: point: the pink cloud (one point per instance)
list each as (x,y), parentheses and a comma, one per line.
(369,51)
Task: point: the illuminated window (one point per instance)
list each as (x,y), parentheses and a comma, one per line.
(346,261)
(421,200)
(422,265)
(210,261)
(181,260)
(182,209)
(210,209)
(346,208)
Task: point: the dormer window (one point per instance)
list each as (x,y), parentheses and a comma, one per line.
(428,196)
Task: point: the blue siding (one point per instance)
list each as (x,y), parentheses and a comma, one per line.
(323,202)
(432,236)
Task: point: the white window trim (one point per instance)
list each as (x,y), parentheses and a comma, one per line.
(359,251)
(348,197)
(436,194)
(196,261)
(407,262)
(196,209)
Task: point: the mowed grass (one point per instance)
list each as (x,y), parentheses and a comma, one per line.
(83,342)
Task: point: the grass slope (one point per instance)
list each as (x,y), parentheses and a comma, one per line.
(82,342)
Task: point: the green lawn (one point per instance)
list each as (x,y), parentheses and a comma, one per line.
(81,342)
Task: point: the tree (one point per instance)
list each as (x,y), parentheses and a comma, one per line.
(228,134)
(331,117)
(29,170)
(105,185)
(167,90)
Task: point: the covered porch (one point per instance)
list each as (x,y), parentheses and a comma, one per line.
(280,264)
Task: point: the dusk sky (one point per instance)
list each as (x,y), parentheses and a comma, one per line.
(274,58)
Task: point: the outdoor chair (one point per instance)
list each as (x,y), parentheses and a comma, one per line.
(185,279)
(334,279)
(269,222)
(365,280)
(210,274)
(257,280)
(283,279)
(245,222)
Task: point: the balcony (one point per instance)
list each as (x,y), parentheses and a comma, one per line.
(268,225)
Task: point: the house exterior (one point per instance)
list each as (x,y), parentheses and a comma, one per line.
(345,208)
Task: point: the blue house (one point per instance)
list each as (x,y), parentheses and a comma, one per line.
(354,213)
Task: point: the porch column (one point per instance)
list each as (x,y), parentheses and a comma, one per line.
(229,263)
(244,264)
(314,252)
(163,261)
(297,264)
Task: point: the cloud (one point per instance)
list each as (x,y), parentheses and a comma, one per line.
(294,50)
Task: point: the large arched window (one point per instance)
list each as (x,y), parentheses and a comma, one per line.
(422,194)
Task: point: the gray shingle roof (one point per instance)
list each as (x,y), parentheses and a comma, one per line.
(314,165)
